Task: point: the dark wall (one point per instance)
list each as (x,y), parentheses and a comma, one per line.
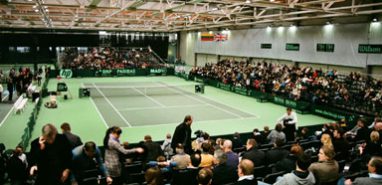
(47,43)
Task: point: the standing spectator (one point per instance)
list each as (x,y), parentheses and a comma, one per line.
(166,146)
(73,139)
(245,173)
(51,156)
(113,149)
(326,169)
(153,149)
(289,119)
(375,173)
(223,173)
(276,134)
(232,158)
(87,158)
(10,87)
(1,92)
(182,135)
(253,154)
(17,167)
(258,136)
(204,177)
(299,176)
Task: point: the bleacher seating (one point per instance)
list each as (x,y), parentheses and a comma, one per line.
(20,104)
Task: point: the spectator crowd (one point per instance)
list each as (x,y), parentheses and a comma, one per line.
(354,90)
(109,58)
(335,154)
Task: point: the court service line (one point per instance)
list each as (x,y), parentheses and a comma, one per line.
(198,122)
(150,98)
(201,101)
(112,106)
(99,112)
(166,107)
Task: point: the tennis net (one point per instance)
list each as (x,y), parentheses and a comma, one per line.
(95,91)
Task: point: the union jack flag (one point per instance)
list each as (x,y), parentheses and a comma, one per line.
(221,37)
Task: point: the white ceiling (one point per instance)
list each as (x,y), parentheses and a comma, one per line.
(174,15)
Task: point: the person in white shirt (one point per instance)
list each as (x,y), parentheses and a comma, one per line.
(289,120)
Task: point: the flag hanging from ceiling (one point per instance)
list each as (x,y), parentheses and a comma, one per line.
(221,37)
(205,36)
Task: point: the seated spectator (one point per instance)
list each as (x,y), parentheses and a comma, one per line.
(326,140)
(289,163)
(153,176)
(232,158)
(181,159)
(341,146)
(205,177)
(256,134)
(256,156)
(207,159)
(17,167)
(301,175)
(326,169)
(265,134)
(277,133)
(245,173)
(196,159)
(166,146)
(236,141)
(375,173)
(223,173)
(373,146)
(153,149)
(277,153)
(358,132)
(73,139)
(87,158)
(303,134)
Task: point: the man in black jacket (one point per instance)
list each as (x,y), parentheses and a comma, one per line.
(277,153)
(153,149)
(253,154)
(51,157)
(182,135)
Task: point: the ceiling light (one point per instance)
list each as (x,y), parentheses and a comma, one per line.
(47,10)
(375,19)
(248,1)
(328,23)
(214,9)
(36,10)
(34,6)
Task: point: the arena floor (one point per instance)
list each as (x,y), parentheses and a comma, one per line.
(129,103)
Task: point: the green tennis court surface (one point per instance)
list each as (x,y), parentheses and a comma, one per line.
(153,103)
(129,102)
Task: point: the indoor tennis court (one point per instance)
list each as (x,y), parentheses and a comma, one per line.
(153,103)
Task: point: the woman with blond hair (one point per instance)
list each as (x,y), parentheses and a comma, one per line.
(326,140)
(373,147)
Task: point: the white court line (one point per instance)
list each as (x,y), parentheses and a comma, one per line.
(9,113)
(166,107)
(112,106)
(150,98)
(99,113)
(201,101)
(195,122)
